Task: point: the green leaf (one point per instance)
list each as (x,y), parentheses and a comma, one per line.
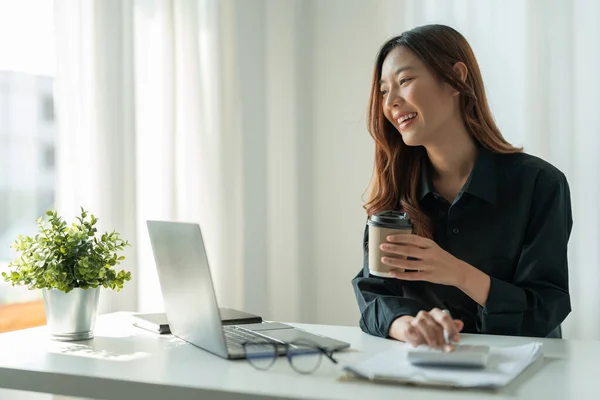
(65,256)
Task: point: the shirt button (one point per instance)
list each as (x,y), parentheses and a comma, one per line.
(455,231)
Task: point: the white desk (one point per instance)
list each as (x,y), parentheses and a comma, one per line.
(124,362)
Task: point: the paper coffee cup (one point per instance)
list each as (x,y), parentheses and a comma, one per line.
(381,225)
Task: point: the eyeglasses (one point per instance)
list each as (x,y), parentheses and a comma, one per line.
(303,356)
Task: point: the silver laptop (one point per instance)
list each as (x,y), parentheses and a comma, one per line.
(190,301)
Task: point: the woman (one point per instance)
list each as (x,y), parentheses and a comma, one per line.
(491,224)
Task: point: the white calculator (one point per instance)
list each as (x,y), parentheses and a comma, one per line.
(463,356)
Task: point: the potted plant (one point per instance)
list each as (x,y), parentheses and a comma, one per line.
(69,264)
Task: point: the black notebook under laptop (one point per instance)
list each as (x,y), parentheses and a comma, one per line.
(158,322)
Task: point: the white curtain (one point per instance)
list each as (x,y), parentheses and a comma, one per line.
(140,135)
(95,113)
(180,159)
(540,62)
(167,111)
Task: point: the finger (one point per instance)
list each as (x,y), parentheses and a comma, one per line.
(412,276)
(415,240)
(438,333)
(459,327)
(403,250)
(432,332)
(448,348)
(459,324)
(446,321)
(403,263)
(413,336)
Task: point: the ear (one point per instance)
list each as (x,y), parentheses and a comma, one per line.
(461,71)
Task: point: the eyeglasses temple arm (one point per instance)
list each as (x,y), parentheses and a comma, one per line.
(328,354)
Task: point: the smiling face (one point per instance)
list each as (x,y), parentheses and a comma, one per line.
(416,102)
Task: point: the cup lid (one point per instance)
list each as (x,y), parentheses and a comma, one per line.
(390,219)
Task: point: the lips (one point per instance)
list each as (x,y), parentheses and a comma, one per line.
(400,118)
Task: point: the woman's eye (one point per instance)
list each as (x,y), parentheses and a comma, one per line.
(403,81)
(383,92)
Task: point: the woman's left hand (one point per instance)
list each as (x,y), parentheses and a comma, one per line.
(432,264)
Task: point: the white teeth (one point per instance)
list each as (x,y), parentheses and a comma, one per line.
(405,117)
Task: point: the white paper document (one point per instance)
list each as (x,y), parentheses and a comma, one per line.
(504,364)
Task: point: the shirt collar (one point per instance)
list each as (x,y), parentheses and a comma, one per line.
(481,183)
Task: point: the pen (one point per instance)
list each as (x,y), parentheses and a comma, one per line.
(447,339)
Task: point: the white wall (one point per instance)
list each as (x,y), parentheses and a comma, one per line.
(304,71)
(347,35)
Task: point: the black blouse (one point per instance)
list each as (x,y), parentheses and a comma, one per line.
(512,220)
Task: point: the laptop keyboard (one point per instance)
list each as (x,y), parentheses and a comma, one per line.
(235,337)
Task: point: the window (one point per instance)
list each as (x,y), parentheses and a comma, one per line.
(27,126)
(48,158)
(48,108)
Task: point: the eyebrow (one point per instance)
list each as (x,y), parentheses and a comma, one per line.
(398,72)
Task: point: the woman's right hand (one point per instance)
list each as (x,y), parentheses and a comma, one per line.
(426,328)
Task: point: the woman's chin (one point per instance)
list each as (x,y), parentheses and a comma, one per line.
(410,138)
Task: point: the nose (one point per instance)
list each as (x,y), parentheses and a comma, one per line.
(393,99)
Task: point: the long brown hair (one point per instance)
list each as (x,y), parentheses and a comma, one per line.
(397,166)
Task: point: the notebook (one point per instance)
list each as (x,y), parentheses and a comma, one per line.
(392,366)
(158,322)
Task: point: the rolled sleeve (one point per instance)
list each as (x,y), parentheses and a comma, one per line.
(537,300)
